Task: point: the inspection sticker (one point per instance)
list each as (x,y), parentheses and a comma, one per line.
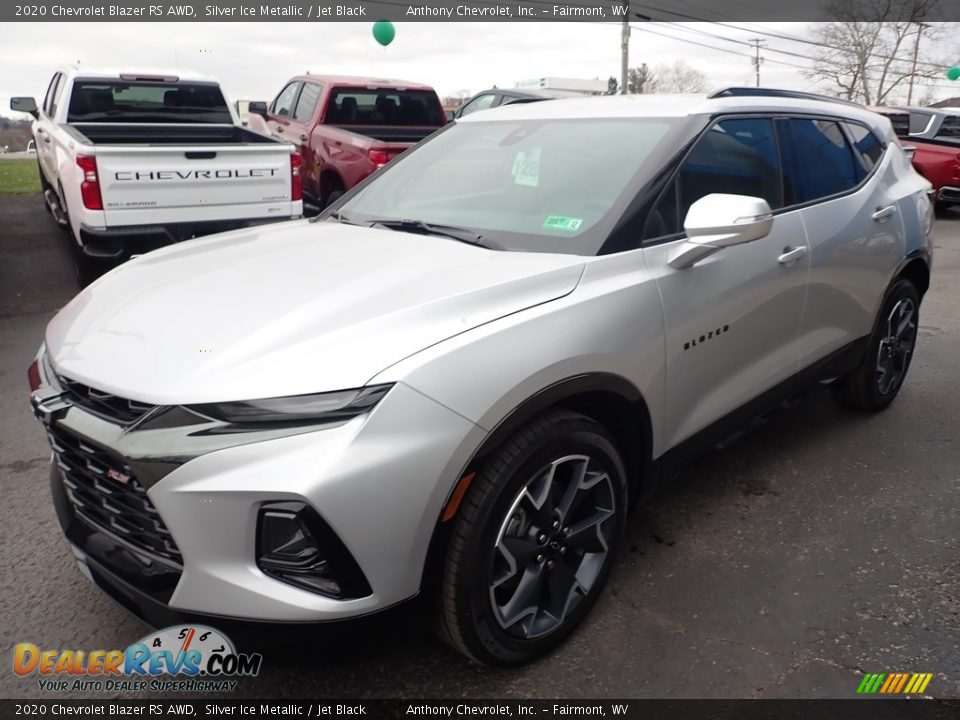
(562,222)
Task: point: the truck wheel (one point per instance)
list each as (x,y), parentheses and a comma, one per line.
(332,197)
(85,268)
(44,186)
(878,379)
(533,541)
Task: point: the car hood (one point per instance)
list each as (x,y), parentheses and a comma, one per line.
(288,309)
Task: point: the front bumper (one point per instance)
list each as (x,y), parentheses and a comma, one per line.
(379,481)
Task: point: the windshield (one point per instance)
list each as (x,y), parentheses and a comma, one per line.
(126,102)
(384,106)
(532,185)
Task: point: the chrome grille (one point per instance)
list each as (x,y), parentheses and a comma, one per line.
(102,404)
(107,496)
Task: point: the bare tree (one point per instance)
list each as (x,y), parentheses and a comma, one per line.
(679,78)
(867,54)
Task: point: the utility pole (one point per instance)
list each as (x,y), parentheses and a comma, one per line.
(625,53)
(916,51)
(757,44)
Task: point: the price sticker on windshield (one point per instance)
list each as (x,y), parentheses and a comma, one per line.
(526,167)
(562,222)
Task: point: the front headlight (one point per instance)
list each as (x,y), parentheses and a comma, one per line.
(298,409)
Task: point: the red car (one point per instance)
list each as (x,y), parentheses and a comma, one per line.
(937,160)
(347,127)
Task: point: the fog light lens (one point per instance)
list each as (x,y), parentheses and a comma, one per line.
(295,545)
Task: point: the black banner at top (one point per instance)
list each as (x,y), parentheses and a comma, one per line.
(473,10)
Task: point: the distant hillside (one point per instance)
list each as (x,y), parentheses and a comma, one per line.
(15,134)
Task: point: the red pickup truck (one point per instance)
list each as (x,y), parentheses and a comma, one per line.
(346,127)
(937,160)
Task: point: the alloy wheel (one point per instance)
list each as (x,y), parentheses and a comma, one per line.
(896,345)
(552,546)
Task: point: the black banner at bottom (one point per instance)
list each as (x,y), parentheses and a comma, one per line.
(874,709)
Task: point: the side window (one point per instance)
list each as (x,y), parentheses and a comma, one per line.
(57,94)
(867,146)
(736,156)
(481,103)
(821,161)
(51,91)
(307,102)
(283,105)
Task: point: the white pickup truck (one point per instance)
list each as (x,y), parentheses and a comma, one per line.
(132,161)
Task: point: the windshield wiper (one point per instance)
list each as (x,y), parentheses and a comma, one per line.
(465,235)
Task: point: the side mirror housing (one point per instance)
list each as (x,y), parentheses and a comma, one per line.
(257,107)
(451,115)
(718,221)
(24,104)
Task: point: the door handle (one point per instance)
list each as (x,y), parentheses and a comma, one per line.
(883,213)
(791,255)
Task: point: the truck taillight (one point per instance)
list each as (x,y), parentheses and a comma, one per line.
(378,158)
(296,180)
(90,185)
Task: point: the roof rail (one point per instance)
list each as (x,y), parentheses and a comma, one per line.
(776,92)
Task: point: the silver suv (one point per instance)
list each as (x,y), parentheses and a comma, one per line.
(461,376)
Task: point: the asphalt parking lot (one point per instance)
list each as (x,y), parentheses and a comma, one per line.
(821,545)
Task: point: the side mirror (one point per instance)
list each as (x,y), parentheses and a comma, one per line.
(257,107)
(718,221)
(450,115)
(24,104)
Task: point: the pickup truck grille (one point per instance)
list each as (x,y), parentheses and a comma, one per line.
(106,495)
(104,405)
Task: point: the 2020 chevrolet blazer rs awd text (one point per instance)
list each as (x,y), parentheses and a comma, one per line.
(482,354)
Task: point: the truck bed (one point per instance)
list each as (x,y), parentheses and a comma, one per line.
(389,134)
(164,134)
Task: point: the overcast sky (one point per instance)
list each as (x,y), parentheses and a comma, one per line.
(252,60)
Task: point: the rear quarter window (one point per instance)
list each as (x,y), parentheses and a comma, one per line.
(866,144)
(820,162)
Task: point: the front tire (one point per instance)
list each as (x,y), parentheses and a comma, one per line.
(533,541)
(880,375)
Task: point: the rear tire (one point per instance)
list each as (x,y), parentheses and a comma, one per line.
(332,197)
(880,375)
(85,268)
(533,541)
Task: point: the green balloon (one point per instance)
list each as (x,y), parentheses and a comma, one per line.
(384,32)
(954,73)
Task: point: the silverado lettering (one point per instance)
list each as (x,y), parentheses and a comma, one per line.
(195,174)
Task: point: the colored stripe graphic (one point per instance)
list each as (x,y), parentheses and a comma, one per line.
(894,683)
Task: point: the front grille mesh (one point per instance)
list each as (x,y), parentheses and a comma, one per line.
(107,496)
(104,405)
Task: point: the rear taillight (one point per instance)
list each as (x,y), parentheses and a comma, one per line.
(296,180)
(90,185)
(378,158)
(33,376)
